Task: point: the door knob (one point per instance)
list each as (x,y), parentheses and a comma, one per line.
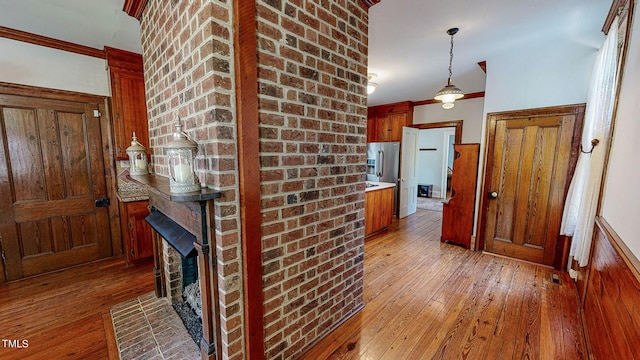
(493,195)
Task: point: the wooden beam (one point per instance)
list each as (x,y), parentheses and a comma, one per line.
(246,65)
(45,41)
(134,8)
(432,101)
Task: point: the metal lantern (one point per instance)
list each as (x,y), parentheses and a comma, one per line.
(181,152)
(138,164)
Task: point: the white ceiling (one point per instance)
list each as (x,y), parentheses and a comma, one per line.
(93,23)
(408,44)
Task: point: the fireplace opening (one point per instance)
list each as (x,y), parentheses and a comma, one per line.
(180,272)
(189,308)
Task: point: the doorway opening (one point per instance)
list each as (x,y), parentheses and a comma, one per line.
(434,160)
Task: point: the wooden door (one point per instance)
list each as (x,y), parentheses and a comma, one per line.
(531,159)
(51,174)
(408,174)
(458,212)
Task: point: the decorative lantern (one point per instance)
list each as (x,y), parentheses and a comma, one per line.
(138,164)
(181,152)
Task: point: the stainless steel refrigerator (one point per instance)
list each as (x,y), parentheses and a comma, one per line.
(383,165)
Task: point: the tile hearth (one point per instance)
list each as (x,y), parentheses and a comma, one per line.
(147,327)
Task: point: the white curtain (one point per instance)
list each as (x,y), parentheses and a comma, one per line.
(582,199)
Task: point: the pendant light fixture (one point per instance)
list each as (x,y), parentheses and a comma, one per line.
(450,92)
(371,86)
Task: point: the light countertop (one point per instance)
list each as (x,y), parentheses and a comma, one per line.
(374,185)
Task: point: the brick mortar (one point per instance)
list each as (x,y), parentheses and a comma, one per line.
(188,58)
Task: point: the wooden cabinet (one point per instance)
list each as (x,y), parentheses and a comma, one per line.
(378,212)
(136,232)
(128,101)
(385,122)
(458,213)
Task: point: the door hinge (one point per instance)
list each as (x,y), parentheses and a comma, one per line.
(129,225)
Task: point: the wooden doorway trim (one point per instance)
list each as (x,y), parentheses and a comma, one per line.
(457,124)
(492,118)
(246,70)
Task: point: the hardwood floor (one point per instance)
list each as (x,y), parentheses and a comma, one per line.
(66,314)
(427,300)
(423,300)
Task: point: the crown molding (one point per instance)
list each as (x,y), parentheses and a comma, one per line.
(36,39)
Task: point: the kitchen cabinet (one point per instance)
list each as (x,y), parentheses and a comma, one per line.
(128,101)
(136,232)
(378,212)
(385,122)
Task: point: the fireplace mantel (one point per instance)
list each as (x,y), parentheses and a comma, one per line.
(194,212)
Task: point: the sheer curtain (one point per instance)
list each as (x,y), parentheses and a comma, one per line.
(584,191)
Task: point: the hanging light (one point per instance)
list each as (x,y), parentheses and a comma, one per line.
(371,86)
(450,92)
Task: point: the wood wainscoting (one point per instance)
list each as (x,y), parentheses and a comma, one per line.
(611,316)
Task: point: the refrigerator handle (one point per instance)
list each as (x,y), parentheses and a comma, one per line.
(381,163)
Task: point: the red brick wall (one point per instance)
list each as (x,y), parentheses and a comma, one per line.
(312,70)
(188,63)
(312,59)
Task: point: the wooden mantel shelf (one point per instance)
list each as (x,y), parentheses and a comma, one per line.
(193,212)
(160,185)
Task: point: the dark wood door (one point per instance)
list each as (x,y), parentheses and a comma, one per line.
(531,159)
(51,174)
(458,212)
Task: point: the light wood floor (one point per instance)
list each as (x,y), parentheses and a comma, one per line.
(423,300)
(427,300)
(65,315)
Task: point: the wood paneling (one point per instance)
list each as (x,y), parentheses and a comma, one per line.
(428,300)
(611,313)
(66,314)
(128,100)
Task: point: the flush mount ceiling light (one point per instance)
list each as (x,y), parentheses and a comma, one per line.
(371,86)
(450,92)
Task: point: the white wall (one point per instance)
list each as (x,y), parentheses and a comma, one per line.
(533,74)
(621,199)
(430,163)
(27,64)
(469,111)
(539,73)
